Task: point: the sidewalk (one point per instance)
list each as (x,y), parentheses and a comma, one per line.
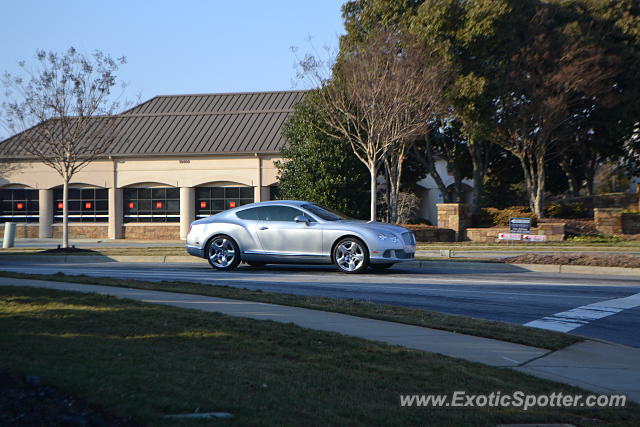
(594,366)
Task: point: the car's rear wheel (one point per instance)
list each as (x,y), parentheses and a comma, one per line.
(381,266)
(223,253)
(350,255)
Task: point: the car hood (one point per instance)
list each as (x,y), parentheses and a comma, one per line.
(379,227)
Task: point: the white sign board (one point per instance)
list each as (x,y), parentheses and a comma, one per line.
(534,237)
(509,236)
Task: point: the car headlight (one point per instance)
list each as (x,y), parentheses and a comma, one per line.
(390,237)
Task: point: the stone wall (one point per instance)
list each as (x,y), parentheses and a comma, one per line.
(554,232)
(82,231)
(450,217)
(631,223)
(23,230)
(429,233)
(608,220)
(151,231)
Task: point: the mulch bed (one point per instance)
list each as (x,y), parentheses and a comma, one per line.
(25,401)
(576,227)
(600,260)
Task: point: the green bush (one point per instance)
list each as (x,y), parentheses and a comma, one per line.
(500,217)
(566,210)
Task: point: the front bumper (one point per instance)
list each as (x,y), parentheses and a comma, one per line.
(393,256)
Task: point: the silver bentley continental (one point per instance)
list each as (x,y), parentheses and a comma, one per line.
(287,232)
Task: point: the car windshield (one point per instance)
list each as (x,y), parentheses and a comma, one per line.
(326,214)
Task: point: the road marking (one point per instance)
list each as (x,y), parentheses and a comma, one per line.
(569,320)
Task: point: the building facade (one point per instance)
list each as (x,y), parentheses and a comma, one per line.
(176,159)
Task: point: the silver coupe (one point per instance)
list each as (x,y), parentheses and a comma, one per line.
(286,231)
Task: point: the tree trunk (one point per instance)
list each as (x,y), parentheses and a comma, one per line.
(372,171)
(534,175)
(65,213)
(539,195)
(479,166)
(572,181)
(430,165)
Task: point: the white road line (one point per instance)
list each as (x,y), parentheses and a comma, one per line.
(569,320)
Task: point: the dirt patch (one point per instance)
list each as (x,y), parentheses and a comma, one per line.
(599,260)
(24,401)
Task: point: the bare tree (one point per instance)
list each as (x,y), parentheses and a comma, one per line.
(550,82)
(62,112)
(382,95)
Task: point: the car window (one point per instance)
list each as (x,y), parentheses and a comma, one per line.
(326,214)
(278,213)
(248,214)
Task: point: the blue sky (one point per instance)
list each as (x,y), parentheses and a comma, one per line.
(177,47)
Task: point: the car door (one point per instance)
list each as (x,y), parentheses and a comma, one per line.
(279,234)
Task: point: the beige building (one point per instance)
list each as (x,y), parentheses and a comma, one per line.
(177,158)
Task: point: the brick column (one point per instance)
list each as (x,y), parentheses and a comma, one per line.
(608,220)
(187,209)
(450,217)
(115,213)
(45,207)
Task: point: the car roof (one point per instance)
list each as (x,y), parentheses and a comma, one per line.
(277,202)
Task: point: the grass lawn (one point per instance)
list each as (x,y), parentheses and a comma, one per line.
(147,361)
(465,325)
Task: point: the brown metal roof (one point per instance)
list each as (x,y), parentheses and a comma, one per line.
(198,124)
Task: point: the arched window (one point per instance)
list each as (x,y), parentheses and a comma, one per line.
(211,200)
(157,204)
(19,205)
(84,205)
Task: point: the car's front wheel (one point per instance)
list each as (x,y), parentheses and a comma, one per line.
(223,253)
(350,255)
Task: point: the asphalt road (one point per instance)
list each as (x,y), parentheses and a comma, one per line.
(516,297)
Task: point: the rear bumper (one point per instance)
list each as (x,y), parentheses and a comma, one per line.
(195,251)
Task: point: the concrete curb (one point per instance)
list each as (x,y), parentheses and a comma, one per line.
(459,265)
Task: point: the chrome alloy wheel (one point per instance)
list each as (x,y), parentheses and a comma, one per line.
(350,256)
(222,253)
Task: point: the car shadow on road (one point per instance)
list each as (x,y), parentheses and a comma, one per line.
(392,271)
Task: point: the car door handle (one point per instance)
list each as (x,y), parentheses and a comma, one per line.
(263,228)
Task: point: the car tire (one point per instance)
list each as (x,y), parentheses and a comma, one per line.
(381,266)
(256,264)
(350,255)
(223,253)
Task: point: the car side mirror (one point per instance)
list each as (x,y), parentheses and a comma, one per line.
(302,218)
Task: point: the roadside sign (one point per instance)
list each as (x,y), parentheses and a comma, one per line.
(520,225)
(509,236)
(534,237)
